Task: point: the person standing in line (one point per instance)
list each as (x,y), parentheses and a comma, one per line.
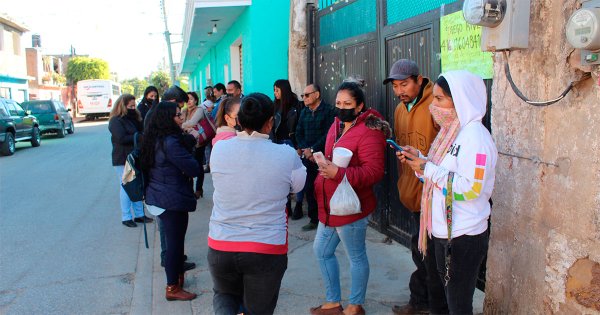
(209,104)
(314,123)
(362,131)
(413,125)
(125,121)
(192,115)
(227,120)
(286,114)
(219,92)
(178,96)
(234,89)
(148,100)
(167,160)
(459,174)
(248,239)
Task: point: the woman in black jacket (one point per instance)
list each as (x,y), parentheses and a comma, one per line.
(150,98)
(169,168)
(125,121)
(286,114)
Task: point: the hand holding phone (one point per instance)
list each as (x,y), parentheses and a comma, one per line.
(319,158)
(396,146)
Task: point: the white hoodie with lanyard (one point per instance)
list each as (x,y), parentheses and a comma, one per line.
(472,158)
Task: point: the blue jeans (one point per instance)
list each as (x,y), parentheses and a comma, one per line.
(353,237)
(126,203)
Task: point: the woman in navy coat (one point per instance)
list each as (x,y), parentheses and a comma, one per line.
(169,168)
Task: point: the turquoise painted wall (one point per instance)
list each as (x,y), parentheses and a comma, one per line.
(352,20)
(264,30)
(399,10)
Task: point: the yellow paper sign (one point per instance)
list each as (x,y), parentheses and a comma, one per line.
(461,47)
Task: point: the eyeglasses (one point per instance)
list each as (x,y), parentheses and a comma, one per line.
(305,95)
(178,114)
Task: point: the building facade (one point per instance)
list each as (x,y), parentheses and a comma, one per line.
(13,66)
(247,41)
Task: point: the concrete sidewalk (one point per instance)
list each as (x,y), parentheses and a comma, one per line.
(302,288)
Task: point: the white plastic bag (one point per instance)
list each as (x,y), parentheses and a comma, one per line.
(344,200)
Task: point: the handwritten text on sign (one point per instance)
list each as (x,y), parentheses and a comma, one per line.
(460,45)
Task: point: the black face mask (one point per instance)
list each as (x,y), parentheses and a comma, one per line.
(151,102)
(131,112)
(346,114)
(237,126)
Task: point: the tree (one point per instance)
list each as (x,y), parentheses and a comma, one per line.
(127,88)
(137,86)
(161,81)
(85,68)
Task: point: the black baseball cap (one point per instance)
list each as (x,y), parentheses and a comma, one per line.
(401,70)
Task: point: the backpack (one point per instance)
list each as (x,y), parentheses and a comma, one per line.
(133,178)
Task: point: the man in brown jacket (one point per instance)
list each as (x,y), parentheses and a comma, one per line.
(414,126)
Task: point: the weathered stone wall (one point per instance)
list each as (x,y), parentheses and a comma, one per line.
(546,214)
(298,58)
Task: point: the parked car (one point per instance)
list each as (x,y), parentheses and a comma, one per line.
(16,125)
(52,116)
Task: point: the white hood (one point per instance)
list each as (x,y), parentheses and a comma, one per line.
(468,94)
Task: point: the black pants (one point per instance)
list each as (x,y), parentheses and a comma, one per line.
(426,288)
(312,170)
(199,155)
(175,225)
(245,282)
(467,255)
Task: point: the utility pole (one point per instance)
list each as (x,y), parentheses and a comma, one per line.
(168,39)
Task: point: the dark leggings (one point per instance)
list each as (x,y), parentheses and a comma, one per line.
(199,155)
(468,252)
(175,225)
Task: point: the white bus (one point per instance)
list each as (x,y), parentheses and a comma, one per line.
(95,97)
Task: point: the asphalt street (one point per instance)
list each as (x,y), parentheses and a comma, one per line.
(63,249)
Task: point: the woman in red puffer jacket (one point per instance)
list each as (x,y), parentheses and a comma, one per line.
(362,131)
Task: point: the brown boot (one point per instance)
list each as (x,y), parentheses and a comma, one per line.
(181,280)
(175,292)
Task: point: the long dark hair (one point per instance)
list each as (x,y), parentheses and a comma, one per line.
(288,98)
(256,109)
(160,125)
(147,91)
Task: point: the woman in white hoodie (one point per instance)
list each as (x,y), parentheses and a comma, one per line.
(459,178)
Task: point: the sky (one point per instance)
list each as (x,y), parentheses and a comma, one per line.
(129,34)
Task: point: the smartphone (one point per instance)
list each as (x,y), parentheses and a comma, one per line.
(396,146)
(319,157)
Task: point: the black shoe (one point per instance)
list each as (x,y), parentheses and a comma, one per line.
(207,169)
(184,257)
(141,219)
(409,309)
(129,223)
(188,266)
(309,227)
(297,214)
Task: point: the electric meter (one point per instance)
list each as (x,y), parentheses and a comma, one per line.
(487,13)
(583,29)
